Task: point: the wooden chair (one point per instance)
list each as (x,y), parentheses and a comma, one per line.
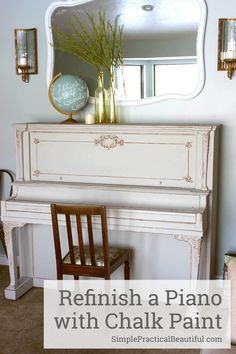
(86,260)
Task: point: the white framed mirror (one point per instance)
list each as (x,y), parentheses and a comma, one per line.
(163,48)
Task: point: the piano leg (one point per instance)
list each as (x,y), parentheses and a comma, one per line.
(17,287)
(195,244)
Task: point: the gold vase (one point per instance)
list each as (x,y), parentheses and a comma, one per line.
(100,101)
(112,107)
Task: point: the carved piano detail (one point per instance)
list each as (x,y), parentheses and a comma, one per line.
(152,178)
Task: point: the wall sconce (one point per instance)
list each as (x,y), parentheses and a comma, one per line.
(26,52)
(227,45)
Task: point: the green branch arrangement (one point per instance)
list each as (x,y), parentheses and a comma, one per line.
(99,44)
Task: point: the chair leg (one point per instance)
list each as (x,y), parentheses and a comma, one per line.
(59,276)
(127,270)
(76,277)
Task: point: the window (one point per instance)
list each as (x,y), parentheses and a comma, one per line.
(130,82)
(175,78)
(142,78)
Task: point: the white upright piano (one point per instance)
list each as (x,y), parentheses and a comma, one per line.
(154,179)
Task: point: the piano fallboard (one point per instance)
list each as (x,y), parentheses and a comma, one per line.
(121,218)
(146,155)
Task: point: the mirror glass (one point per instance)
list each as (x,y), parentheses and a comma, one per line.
(163,46)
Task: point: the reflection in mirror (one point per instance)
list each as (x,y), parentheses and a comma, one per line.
(163,47)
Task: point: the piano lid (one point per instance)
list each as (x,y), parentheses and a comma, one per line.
(170,156)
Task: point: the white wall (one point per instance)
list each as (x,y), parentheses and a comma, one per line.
(20,102)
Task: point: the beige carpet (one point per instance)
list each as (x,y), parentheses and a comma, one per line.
(21,326)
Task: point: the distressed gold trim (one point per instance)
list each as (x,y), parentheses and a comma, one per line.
(8,227)
(109,141)
(195,246)
(188,144)
(36,173)
(188,179)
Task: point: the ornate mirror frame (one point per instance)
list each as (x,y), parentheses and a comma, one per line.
(199,52)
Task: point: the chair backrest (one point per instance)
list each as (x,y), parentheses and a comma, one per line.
(79,211)
(10,175)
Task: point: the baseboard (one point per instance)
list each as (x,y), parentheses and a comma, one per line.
(38,282)
(3,259)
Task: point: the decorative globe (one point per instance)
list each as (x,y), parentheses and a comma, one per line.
(68,94)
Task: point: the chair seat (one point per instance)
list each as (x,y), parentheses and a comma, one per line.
(114,254)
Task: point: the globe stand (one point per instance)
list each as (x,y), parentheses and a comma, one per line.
(68,94)
(70,120)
